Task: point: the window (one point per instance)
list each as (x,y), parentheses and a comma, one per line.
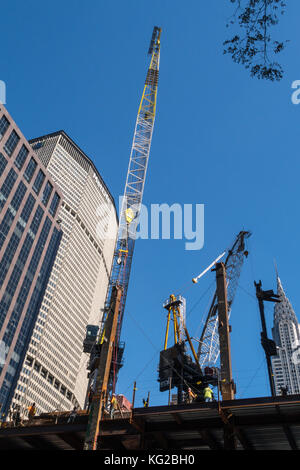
(47,192)
(54,204)
(11,212)
(11,143)
(21,157)
(7,187)
(4,125)
(38,182)
(38,145)
(3,163)
(50,379)
(29,361)
(30,169)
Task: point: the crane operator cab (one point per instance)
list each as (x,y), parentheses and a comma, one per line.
(90,337)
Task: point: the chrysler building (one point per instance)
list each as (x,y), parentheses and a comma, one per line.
(286,334)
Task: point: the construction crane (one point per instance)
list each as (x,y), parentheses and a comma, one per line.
(176,367)
(106,352)
(209,346)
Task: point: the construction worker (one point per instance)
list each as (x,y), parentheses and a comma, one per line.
(113,406)
(208,393)
(284,390)
(11,414)
(31,412)
(17,416)
(72,415)
(190,395)
(145,403)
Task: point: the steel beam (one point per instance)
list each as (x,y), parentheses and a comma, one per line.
(99,398)
(209,439)
(287,430)
(227,385)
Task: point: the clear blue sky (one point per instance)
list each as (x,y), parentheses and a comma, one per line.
(221,138)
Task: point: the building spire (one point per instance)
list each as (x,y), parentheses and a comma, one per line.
(286,334)
(283,309)
(280,290)
(276,270)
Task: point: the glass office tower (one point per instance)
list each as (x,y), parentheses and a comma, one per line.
(54,372)
(29,240)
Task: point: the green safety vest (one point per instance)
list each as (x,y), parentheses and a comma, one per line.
(208,393)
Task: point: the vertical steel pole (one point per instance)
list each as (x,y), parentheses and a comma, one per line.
(264,334)
(100,395)
(133,395)
(227,384)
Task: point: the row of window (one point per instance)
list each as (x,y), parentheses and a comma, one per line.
(23,153)
(33,305)
(49,377)
(13,139)
(9,189)
(4,125)
(90,236)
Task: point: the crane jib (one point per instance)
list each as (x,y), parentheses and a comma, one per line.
(122,260)
(208,351)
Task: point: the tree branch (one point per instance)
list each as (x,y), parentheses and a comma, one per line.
(254,48)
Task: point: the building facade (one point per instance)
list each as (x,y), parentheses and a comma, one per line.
(286,334)
(55,366)
(29,238)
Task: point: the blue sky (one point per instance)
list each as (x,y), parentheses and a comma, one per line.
(221,138)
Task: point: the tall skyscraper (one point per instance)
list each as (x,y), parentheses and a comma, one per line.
(29,239)
(286,334)
(55,366)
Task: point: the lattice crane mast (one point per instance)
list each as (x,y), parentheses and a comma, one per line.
(134,188)
(106,362)
(209,346)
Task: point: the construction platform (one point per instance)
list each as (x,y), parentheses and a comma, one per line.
(249,424)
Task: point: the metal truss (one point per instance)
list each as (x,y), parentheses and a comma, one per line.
(209,348)
(134,188)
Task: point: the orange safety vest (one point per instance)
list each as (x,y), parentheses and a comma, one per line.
(31,410)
